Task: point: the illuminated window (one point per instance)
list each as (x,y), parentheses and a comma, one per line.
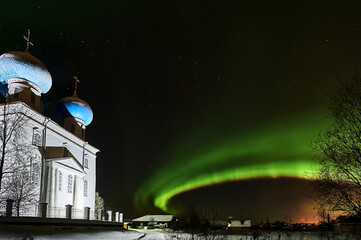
(60,182)
(70,183)
(85,188)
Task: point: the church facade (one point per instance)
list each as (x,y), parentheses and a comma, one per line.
(58,167)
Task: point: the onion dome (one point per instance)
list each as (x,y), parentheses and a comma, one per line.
(25,66)
(75,107)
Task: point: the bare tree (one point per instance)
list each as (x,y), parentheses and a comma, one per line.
(22,187)
(17,155)
(11,132)
(338,177)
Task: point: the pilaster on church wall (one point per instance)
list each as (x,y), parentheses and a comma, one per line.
(78,192)
(63,197)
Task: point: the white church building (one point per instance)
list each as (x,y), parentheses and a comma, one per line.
(61,164)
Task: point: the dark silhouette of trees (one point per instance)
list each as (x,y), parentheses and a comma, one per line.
(338,176)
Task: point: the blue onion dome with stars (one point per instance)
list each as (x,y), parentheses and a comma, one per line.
(75,107)
(23,65)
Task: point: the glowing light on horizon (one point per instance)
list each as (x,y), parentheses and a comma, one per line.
(279,150)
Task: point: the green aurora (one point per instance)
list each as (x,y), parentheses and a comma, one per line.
(280,150)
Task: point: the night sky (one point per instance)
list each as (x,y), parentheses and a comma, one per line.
(209,103)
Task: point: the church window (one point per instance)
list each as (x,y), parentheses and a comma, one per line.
(35,173)
(85,188)
(72,128)
(66,152)
(32,98)
(60,182)
(36,137)
(86,161)
(16,93)
(70,183)
(2,132)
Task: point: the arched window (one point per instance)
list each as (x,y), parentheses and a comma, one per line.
(2,133)
(16,93)
(86,161)
(70,184)
(60,180)
(36,137)
(35,173)
(85,188)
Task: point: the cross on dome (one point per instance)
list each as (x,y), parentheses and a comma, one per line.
(76,85)
(75,107)
(28,43)
(23,65)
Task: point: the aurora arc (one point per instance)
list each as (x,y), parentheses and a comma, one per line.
(282,149)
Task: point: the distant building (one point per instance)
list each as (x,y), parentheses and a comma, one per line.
(239,225)
(62,165)
(153,221)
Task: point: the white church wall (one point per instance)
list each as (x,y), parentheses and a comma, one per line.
(60,191)
(56,136)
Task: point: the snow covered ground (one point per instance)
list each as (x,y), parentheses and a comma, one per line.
(53,232)
(82,233)
(270,236)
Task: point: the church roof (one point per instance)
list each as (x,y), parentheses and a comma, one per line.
(56,154)
(154,218)
(40,119)
(23,65)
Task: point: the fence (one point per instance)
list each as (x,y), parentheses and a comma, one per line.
(42,210)
(56,212)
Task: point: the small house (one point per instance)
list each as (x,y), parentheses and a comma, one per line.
(239,225)
(153,221)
